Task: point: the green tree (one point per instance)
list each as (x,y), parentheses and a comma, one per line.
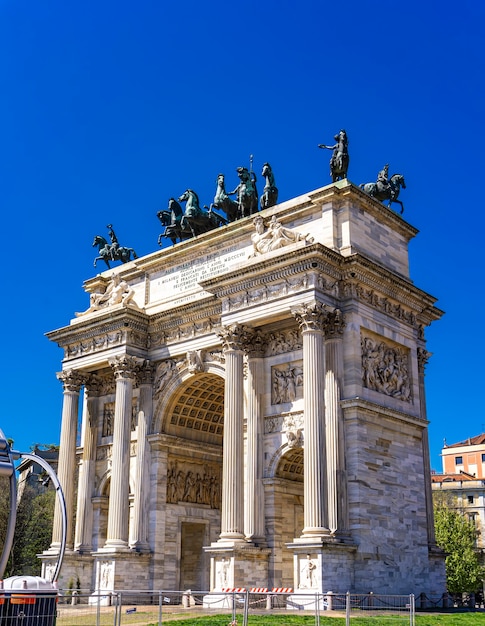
(456,534)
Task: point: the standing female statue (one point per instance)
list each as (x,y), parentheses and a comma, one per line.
(339,162)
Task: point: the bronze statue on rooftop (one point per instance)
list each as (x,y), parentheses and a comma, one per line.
(246,192)
(223,202)
(339,161)
(180,224)
(112,251)
(386,188)
(269,196)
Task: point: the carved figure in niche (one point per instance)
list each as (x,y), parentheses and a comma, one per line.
(106,577)
(108,415)
(285,384)
(339,161)
(308,574)
(274,237)
(134,416)
(164,372)
(223,572)
(385,369)
(194,361)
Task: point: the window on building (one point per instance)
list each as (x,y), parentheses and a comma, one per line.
(470,499)
(458,460)
(483,458)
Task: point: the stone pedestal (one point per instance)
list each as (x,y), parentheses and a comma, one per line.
(232,567)
(320,567)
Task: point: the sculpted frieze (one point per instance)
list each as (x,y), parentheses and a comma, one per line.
(286,382)
(381,303)
(264,293)
(194,483)
(94,344)
(284,423)
(385,368)
(280,342)
(180,332)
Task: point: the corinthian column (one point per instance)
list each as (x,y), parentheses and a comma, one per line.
(139,534)
(423,357)
(233,339)
(72,382)
(254,499)
(336,479)
(124,368)
(311,319)
(84,514)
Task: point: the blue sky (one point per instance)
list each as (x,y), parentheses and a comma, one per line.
(110,108)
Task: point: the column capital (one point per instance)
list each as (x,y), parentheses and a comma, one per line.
(423,357)
(125,366)
(72,380)
(255,344)
(334,324)
(93,385)
(234,336)
(145,373)
(312,316)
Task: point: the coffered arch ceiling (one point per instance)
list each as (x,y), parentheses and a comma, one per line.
(196,411)
(290,466)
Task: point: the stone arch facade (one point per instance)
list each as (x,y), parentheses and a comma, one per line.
(306,426)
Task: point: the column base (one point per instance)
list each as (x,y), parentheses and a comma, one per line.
(115,546)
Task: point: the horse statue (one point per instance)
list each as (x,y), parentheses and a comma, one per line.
(171,219)
(386,191)
(269,196)
(339,161)
(223,202)
(246,192)
(195,219)
(112,252)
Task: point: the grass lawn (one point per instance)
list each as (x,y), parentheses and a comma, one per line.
(148,616)
(441,619)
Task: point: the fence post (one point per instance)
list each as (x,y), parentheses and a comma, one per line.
(160,603)
(246,608)
(269,601)
(119,605)
(412,607)
(329,600)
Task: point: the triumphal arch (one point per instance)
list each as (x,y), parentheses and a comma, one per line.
(253,411)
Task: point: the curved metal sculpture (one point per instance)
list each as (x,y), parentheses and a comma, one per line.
(339,161)
(112,251)
(269,196)
(384,189)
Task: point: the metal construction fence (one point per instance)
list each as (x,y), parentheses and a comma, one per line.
(229,608)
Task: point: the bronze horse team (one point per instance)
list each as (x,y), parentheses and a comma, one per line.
(194,220)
